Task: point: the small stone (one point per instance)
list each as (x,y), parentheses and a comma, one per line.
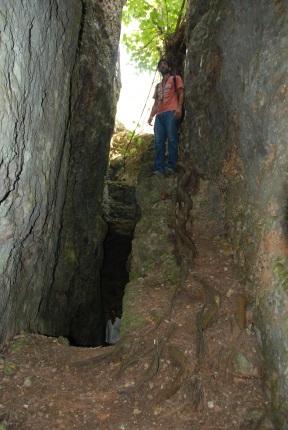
(136,412)
(210,405)
(129,384)
(27,382)
(63,340)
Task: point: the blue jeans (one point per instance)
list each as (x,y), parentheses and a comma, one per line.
(166,127)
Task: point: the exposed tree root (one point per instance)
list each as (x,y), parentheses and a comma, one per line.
(206,316)
(179,360)
(129,349)
(114,354)
(167,315)
(194,391)
(133,358)
(153,368)
(187,186)
(200,343)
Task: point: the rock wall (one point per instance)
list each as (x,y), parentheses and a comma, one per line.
(236,136)
(59,84)
(37,56)
(73,303)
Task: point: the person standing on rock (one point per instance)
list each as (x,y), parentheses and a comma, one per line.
(167,107)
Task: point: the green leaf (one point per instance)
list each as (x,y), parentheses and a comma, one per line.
(156,20)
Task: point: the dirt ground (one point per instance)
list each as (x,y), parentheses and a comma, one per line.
(199,368)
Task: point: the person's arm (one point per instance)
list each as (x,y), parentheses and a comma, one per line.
(180,94)
(153,112)
(180,97)
(154,108)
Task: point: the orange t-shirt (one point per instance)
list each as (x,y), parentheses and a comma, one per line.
(166,95)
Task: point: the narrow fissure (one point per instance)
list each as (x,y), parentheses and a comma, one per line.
(114,276)
(121,214)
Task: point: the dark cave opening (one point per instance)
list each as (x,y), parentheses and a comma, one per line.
(115,272)
(113,278)
(121,214)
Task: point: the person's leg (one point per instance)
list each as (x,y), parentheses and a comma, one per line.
(160,135)
(172,132)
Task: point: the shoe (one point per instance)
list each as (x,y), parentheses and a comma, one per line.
(157,173)
(170,172)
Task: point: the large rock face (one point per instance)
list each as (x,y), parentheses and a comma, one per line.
(73,302)
(37,56)
(236,133)
(59,90)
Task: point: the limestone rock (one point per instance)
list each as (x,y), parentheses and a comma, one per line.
(59,83)
(73,306)
(236,135)
(38,51)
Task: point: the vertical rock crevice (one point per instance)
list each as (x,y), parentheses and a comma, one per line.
(121,212)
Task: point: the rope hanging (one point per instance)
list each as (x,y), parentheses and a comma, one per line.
(138,123)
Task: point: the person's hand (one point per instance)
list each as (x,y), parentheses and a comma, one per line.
(178,112)
(150,120)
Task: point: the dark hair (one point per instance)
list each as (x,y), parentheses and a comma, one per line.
(163,60)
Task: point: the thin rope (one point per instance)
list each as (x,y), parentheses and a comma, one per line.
(138,123)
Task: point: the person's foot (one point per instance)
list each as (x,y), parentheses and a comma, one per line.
(170,172)
(157,173)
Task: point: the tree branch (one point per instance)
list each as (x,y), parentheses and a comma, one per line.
(180,15)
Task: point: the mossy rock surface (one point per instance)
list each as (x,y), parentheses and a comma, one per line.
(154,270)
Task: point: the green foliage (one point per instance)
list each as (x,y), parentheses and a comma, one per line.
(127,144)
(156,21)
(9,368)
